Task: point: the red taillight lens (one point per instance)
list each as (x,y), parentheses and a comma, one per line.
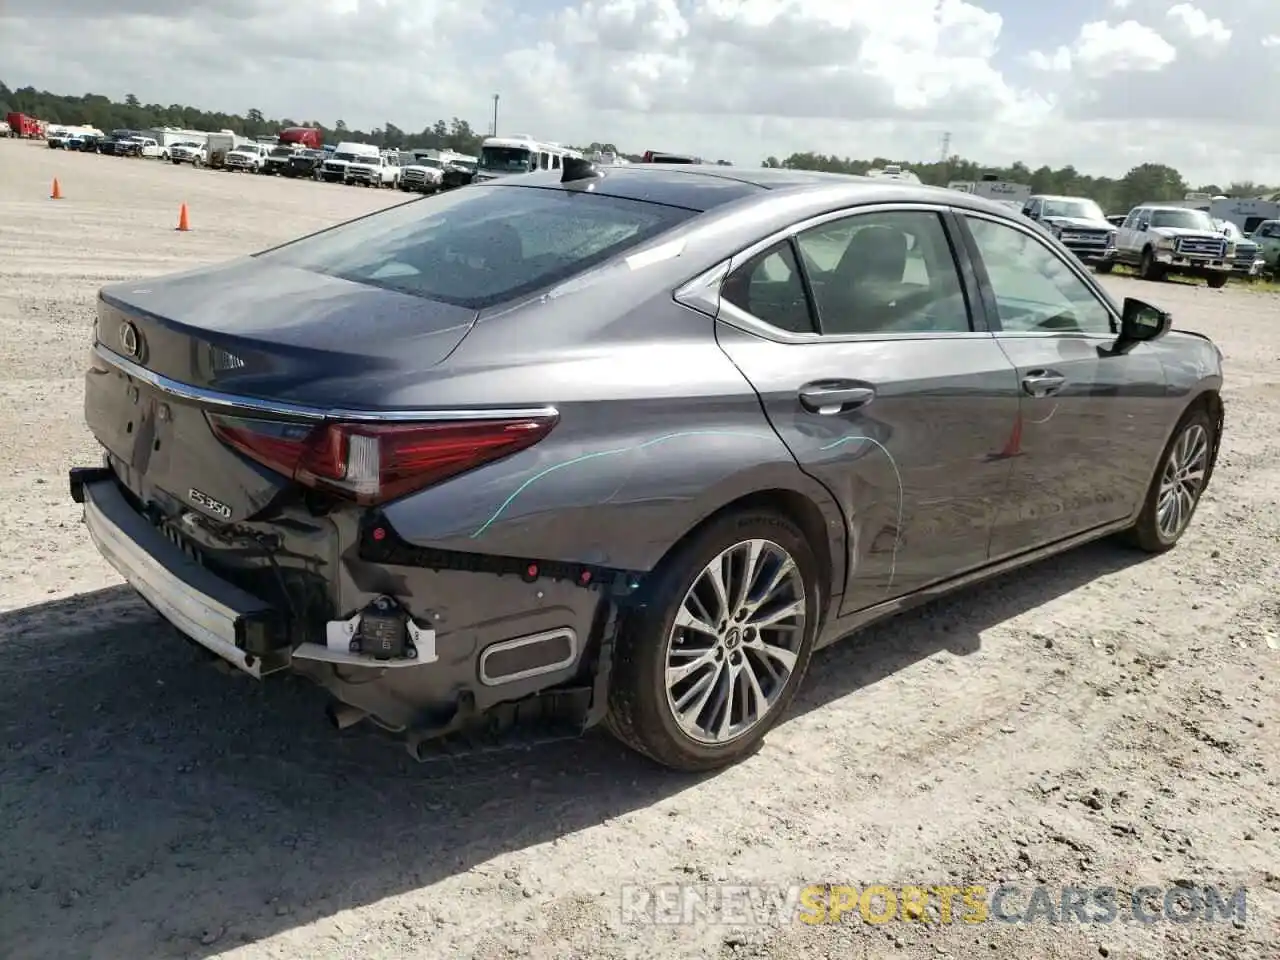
(376,462)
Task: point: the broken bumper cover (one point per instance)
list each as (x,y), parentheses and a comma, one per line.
(215,614)
(506,690)
(242,629)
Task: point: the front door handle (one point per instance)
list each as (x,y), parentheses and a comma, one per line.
(1043,383)
(830,399)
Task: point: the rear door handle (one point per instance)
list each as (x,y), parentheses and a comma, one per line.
(830,399)
(1043,383)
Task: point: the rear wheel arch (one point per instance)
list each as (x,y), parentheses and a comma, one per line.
(802,510)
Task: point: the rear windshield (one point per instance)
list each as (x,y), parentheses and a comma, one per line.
(480,246)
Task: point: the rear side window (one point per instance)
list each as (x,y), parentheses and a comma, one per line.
(480,246)
(769,287)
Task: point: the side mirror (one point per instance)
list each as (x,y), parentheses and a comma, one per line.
(1140,322)
(1144,225)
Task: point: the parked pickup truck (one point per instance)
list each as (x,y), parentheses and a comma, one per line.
(1162,240)
(1078,223)
(277,160)
(379,171)
(189,151)
(1248,261)
(303,164)
(248,157)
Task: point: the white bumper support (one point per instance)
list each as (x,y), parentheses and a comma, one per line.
(212,612)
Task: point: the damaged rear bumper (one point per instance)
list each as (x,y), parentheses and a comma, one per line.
(215,614)
(502,670)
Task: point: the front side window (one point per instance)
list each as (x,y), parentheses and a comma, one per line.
(475,248)
(1034,289)
(890,272)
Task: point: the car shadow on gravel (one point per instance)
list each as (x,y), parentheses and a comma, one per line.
(155,809)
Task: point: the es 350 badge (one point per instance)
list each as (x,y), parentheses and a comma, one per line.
(206,502)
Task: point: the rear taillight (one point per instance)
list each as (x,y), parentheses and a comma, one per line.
(376,462)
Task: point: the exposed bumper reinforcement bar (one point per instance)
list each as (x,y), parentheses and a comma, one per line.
(215,614)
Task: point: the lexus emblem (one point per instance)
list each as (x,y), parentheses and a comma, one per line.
(129,338)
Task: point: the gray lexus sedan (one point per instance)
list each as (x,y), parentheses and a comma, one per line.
(623,445)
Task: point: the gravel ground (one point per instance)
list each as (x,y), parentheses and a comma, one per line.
(1101,720)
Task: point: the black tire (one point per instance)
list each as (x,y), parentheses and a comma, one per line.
(1148,269)
(1146,534)
(1105,266)
(1216,281)
(639,713)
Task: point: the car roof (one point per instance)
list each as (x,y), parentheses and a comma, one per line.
(1056,196)
(702,187)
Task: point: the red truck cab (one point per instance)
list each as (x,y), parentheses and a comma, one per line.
(309,137)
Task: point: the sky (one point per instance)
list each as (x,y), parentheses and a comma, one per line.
(1099,84)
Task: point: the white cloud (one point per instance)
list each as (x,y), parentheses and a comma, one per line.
(1197,25)
(1103,48)
(739,79)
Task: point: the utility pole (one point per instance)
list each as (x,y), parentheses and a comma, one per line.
(946,147)
(495,116)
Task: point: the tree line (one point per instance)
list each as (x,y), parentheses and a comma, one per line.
(1145,182)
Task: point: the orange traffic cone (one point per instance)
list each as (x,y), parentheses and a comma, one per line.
(57,190)
(183,222)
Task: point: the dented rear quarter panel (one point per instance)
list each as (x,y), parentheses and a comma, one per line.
(657,430)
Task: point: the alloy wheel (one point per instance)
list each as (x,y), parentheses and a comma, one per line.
(1182,481)
(735,641)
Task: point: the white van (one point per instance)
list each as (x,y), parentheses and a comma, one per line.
(334,168)
(505,156)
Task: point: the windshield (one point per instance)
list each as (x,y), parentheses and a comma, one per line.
(505,159)
(1083,209)
(479,246)
(1182,220)
(427,162)
(344,156)
(1228,229)
(282,152)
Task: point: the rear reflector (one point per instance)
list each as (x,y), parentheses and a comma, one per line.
(373,463)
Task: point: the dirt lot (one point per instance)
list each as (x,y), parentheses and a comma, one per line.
(1103,720)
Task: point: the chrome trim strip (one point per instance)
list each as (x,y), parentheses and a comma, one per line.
(489,681)
(702,293)
(235,403)
(818,219)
